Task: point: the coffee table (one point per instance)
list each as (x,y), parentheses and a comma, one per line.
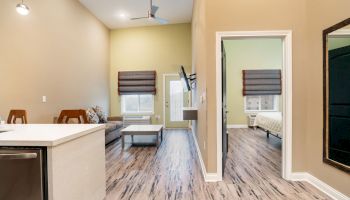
(142,130)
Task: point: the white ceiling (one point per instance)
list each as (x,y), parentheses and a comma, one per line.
(116,13)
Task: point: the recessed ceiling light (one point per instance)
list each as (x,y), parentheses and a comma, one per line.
(22,9)
(122,15)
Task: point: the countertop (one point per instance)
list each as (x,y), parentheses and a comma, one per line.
(44,134)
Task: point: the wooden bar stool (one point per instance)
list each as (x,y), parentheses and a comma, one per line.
(17,114)
(66,115)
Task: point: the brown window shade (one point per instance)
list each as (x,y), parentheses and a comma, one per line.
(262,82)
(137,82)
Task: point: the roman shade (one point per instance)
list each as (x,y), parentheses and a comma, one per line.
(262,82)
(137,82)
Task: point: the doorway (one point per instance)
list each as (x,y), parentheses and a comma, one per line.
(175,98)
(286,37)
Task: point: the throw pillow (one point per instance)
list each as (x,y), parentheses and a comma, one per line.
(92,116)
(101,115)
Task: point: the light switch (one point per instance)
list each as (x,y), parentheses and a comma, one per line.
(44,99)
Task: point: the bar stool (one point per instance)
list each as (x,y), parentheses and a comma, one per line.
(17,114)
(66,115)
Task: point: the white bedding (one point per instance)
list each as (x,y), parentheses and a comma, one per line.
(271,121)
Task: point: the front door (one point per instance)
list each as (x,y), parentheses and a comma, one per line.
(175,100)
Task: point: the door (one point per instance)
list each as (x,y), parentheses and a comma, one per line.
(224,109)
(22,174)
(175,100)
(339,105)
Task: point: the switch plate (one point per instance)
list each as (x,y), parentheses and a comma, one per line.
(44,99)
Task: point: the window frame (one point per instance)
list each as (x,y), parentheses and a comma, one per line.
(275,106)
(124,112)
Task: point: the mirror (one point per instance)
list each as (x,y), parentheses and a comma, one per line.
(336,95)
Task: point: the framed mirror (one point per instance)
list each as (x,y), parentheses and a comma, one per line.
(336,95)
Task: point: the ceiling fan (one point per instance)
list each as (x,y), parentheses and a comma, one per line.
(151,15)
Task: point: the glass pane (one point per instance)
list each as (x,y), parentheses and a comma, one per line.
(146,103)
(131,103)
(176,101)
(267,102)
(252,102)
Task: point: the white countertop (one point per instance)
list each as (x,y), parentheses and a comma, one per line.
(44,134)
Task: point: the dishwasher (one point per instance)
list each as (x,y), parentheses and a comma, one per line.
(23,173)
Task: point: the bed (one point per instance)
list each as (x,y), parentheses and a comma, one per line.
(271,122)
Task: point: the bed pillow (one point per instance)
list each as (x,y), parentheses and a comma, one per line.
(101,115)
(92,116)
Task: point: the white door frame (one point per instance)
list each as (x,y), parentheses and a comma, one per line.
(286,36)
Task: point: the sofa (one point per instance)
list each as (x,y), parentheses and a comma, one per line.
(113,127)
(93,115)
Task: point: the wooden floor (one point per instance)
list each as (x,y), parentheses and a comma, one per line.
(173,171)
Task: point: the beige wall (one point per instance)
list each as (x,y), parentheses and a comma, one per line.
(59,50)
(160,48)
(244,54)
(200,68)
(306,19)
(321,15)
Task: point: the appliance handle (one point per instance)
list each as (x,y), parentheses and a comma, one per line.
(18,156)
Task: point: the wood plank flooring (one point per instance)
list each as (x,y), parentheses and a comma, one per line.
(173,170)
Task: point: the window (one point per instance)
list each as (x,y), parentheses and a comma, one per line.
(137,104)
(176,101)
(261,103)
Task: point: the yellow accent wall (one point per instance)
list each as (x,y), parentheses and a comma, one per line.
(244,54)
(160,48)
(59,50)
(338,42)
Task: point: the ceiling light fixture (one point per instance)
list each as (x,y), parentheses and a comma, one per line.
(22,9)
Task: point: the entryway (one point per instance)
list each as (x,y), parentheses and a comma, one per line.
(175,98)
(286,73)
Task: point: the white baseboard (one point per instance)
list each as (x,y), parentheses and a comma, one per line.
(208,177)
(237,126)
(322,186)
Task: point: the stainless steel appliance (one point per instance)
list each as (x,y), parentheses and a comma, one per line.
(22,173)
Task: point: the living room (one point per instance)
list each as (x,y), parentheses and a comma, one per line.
(141,80)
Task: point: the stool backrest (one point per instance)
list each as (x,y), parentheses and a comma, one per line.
(17,114)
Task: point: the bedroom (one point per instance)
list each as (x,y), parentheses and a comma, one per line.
(254,104)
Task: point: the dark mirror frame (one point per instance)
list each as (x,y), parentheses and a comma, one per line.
(326,32)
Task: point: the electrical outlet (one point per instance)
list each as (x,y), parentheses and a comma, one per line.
(44,99)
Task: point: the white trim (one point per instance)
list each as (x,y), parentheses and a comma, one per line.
(237,126)
(208,177)
(322,186)
(286,35)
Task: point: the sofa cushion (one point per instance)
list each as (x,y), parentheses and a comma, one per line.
(92,116)
(101,114)
(113,125)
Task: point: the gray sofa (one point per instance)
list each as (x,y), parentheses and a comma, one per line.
(113,128)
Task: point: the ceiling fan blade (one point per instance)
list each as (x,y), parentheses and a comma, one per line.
(154,9)
(136,18)
(161,21)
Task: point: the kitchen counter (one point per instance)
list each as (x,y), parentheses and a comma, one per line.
(44,134)
(73,157)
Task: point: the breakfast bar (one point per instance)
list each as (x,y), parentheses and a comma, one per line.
(66,161)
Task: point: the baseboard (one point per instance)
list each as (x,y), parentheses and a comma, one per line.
(322,186)
(208,177)
(237,126)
